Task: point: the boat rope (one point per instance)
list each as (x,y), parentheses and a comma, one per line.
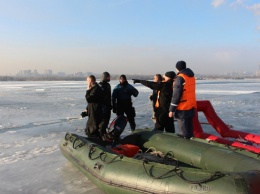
(235,149)
(79,145)
(92,150)
(169,155)
(74,139)
(69,136)
(140,155)
(150,148)
(214,176)
(232,148)
(179,173)
(156,177)
(112,160)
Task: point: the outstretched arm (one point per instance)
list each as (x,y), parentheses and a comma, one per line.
(149,84)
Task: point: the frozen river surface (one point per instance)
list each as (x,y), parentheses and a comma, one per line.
(34,116)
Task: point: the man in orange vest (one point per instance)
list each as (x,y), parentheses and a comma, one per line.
(183,101)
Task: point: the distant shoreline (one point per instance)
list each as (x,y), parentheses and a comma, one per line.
(68,78)
(113,77)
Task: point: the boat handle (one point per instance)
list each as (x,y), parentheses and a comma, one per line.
(79,145)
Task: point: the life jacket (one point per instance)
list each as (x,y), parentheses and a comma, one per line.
(188,98)
(157,100)
(157,104)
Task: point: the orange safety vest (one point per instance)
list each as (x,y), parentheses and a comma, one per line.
(157,101)
(188,98)
(158,96)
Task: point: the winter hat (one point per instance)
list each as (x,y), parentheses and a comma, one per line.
(123,76)
(170,74)
(180,65)
(105,76)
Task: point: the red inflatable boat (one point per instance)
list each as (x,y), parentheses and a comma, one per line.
(251,140)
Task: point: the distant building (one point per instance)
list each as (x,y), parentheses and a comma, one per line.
(35,73)
(61,74)
(27,73)
(48,72)
(79,74)
(20,73)
(258,71)
(88,73)
(24,73)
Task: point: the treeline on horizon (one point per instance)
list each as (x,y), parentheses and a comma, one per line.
(113,77)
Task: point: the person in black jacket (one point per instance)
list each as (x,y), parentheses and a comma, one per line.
(94,98)
(106,104)
(153,96)
(165,88)
(122,101)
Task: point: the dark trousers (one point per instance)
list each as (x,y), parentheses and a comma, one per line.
(130,114)
(94,119)
(185,127)
(163,121)
(104,122)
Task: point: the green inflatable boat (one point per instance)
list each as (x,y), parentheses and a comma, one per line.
(150,162)
(210,157)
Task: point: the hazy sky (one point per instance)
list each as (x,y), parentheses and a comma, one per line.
(129,36)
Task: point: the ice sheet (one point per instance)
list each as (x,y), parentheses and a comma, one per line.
(34,116)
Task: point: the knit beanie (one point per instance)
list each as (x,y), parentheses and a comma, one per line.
(170,74)
(180,65)
(123,76)
(105,76)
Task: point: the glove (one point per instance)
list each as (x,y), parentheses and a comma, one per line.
(84,114)
(151,97)
(136,81)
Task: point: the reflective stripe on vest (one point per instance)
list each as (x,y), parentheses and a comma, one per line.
(188,98)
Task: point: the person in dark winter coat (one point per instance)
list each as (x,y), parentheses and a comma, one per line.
(122,101)
(183,101)
(163,121)
(106,104)
(94,98)
(153,96)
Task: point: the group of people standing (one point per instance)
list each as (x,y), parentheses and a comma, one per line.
(101,102)
(173,96)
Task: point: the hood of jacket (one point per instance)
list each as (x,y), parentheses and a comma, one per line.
(187,72)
